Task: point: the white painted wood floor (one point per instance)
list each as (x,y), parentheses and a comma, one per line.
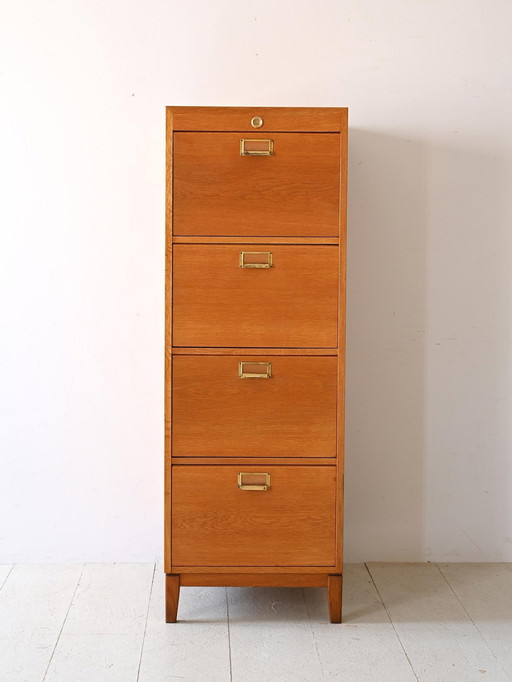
(105,623)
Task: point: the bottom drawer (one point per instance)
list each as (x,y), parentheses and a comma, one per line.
(214,522)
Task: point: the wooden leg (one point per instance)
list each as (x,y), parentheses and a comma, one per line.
(172,595)
(334,597)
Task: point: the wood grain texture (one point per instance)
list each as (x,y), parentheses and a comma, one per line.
(168,341)
(317,241)
(289,570)
(292,414)
(254,579)
(292,304)
(255,351)
(214,523)
(253,461)
(172,596)
(293,192)
(300,119)
(341,341)
(334,597)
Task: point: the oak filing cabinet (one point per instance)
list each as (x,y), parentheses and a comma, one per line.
(255,343)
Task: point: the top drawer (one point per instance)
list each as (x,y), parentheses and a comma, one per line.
(256,184)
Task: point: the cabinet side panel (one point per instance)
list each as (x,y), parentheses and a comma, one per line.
(168,337)
(341,339)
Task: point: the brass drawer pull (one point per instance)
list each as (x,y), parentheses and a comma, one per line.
(242,374)
(258,255)
(253,481)
(256,147)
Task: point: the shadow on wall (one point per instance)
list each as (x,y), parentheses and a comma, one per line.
(469,430)
(385,348)
(425,426)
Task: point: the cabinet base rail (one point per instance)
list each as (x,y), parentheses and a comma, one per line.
(333,583)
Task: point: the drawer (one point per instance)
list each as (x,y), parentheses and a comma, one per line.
(293,303)
(287,409)
(292,192)
(216,523)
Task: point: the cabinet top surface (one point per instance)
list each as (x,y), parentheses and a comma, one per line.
(296,119)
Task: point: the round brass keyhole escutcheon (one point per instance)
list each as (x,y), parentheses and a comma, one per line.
(257,122)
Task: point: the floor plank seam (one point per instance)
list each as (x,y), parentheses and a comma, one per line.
(313,635)
(472,621)
(64,621)
(391,622)
(146,621)
(5,579)
(229,637)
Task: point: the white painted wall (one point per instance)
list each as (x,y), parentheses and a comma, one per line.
(429,418)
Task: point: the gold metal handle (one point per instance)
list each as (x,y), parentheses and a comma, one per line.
(258,147)
(252,259)
(253,481)
(243,374)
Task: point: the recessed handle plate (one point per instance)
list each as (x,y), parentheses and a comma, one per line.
(253,481)
(266,372)
(255,259)
(259,147)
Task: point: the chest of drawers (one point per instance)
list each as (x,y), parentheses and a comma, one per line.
(255,348)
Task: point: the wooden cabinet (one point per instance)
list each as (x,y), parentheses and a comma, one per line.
(254,354)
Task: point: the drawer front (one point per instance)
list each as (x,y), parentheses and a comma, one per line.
(291,304)
(243,406)
(216,523)
(293,191)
